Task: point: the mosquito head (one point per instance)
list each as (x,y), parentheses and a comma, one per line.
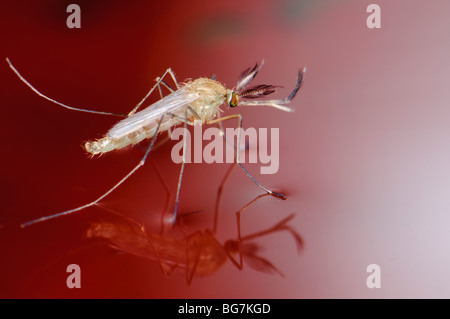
(234,98)
(252,93)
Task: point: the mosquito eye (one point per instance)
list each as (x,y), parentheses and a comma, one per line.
(234,99)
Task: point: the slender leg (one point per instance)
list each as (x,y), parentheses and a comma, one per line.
(177,199)
(280,226)
(219,124)
(67,212)
(165,268)
(239,117)
(169,197)
(222,131)
(54,101)
(169,131)
(184,119)
(162,141)
(219,198)
(180,177)
(168,86)
(158,81)
(191,268)
(238,224)
(232,243)
(137,235)
(140,226)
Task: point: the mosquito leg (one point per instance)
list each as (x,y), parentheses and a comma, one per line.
(239,264)
(158,81)
(168,86)
(67,212)
(169,196)
(140,226)
(165,139)
(195,114)
(184,119)
(220,125)
(191,269)
(179,118)
(219,197)
(162,142)
(280,226)
(169,131)
(222,132)
(177,199)
(239,117)
(165,268)
(186,122)
(54,101)
(238,224)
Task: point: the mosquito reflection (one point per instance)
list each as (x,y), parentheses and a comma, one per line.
(199,253)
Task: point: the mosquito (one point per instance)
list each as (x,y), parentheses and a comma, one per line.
(196,100)
(199,253)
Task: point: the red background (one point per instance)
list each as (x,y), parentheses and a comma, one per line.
(364,159)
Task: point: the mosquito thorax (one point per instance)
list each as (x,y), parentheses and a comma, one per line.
(212,94)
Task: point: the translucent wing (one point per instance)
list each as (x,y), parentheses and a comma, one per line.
(173,103)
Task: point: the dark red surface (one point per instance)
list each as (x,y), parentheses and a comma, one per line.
(363,160)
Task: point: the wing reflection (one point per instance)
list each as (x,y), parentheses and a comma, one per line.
(198,253)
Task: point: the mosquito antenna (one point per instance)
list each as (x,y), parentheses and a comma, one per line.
(258,90)
(280,104)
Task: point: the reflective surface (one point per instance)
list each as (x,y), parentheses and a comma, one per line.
(363,160)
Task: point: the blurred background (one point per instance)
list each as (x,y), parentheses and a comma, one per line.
(363,160)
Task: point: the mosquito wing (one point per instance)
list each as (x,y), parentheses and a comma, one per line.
(173,103)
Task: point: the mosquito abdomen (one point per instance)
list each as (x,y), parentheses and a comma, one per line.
(108,144)
(100,146)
